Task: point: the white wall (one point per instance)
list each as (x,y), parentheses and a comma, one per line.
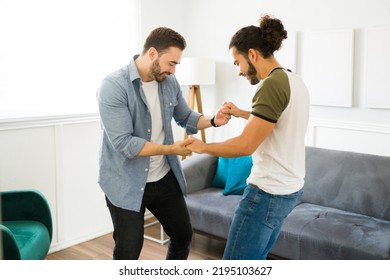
(53,54)
(208,26)
(59,157)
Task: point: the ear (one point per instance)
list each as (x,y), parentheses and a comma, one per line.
(152,52)
(252,55)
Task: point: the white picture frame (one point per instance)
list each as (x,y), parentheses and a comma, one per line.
(377,61)
(327,67)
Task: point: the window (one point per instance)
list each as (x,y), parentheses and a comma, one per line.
(53,54)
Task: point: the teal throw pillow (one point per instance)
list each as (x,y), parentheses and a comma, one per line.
(231,174)
(220,177)
(238,171)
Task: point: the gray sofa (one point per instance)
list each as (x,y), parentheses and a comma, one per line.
(344,212)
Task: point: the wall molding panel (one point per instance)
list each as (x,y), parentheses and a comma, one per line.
(59,157)
(359,137)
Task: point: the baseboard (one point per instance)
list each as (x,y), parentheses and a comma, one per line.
(63,245)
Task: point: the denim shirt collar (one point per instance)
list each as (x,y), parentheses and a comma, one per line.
(133,71)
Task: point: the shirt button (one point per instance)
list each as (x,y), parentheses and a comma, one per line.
(148,130)
(146,170)
(170,103)
(142,189)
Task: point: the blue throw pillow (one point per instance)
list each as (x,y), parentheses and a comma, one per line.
(220,177)
(231,174)
(238,171)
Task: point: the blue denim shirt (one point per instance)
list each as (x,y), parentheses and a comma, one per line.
(126,127)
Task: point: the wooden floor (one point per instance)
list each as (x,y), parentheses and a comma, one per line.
(203,248)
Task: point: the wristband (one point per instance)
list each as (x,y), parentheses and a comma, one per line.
(213,123)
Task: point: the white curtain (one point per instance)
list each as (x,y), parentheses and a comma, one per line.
(54,53)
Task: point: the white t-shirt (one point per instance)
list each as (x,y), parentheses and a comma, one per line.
(159,166)
(279,162)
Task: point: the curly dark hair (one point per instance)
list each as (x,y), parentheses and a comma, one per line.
(163,38)
(266,38)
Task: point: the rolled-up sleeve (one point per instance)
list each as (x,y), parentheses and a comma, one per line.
(116,119)
(192,123)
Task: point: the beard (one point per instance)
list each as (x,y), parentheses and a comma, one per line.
(156,73)
(252,74)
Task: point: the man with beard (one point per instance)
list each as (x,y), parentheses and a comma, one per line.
(274,135)
(138,161)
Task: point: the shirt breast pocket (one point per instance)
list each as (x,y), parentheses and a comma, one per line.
(169,108)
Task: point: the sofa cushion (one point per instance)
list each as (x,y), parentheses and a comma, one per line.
(354,182)
(32,238)
(211,212)
(318,232)
(231,174)
(199,170)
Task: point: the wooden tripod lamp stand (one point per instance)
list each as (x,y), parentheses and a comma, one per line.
(195,72)
(195,96)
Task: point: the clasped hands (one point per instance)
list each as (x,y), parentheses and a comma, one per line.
(192,144)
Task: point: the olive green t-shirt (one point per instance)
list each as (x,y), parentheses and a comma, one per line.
(272,96)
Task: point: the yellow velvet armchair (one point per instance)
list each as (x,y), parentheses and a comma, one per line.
(25,225)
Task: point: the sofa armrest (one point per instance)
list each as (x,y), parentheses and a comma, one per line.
(9,249)
(199,171)
(26,205)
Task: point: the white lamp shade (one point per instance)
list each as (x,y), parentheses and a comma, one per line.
(195,71)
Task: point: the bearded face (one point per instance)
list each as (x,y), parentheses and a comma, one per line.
(155,71)
(252,73)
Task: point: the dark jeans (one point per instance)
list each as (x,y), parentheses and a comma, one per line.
(165,201)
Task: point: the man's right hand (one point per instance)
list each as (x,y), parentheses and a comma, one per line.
(179,147)
(232,109)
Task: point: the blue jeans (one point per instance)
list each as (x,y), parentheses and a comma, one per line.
(165,201)
(257,223)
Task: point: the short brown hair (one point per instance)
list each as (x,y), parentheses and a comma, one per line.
(163,38)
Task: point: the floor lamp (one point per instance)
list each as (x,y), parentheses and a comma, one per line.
(195,72)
